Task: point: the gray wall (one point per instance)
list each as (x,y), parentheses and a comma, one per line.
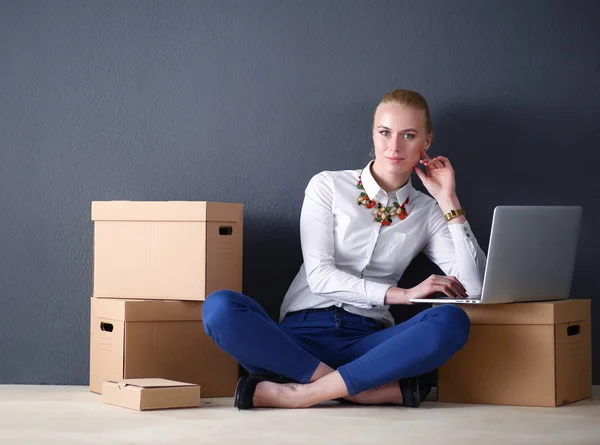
(244,101)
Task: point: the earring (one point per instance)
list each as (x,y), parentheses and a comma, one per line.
(372,153)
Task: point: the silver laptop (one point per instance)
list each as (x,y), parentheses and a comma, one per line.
(531,256)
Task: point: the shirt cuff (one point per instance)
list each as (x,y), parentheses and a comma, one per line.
(462,233)
(376,293)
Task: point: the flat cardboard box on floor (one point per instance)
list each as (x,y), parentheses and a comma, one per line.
(530,354)
(146,394)
(153,338)
(180,250)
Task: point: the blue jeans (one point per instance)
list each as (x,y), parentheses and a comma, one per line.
(362,350)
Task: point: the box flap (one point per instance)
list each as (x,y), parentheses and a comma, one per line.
(147,310)
(150,383)
(166,211)
(540,312)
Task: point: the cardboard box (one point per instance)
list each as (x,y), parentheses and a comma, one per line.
(144,394)
(532,354)
(181,250)
(153,338)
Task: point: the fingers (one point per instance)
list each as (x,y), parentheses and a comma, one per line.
(460,286)
(445,160)
(434,163)
(447,289)
(455,290)
(449,286)
(438,162)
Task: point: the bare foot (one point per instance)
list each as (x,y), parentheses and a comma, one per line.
(388,393)
(297,395)
(269,394)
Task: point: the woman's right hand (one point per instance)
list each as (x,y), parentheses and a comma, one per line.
(436,284)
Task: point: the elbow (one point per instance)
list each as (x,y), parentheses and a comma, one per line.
(315,283)
(317,279)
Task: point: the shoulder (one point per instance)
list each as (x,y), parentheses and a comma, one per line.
(332,179)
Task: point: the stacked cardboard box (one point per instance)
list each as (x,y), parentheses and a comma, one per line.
(531,354)
(154,264)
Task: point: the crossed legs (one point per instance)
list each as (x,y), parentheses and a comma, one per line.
(379,360)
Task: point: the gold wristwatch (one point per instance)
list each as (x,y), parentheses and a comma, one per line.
(453,214)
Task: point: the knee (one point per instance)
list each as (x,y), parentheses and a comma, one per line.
(457,324)
(217,309)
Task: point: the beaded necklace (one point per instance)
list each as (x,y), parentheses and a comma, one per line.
(383,215)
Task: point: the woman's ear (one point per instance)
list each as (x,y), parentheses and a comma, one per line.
(428,141)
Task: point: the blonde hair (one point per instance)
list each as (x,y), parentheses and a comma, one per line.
(411,99)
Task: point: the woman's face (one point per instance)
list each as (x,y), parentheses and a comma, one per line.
(399,136)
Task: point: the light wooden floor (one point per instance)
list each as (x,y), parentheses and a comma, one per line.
(71,415)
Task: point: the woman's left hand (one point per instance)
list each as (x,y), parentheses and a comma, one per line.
(439,179)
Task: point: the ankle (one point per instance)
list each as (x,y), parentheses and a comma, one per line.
(286,395)
(303,396)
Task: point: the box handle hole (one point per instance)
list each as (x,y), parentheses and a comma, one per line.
(573,330)
(106,327)
(225,230)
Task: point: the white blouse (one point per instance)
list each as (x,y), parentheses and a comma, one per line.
(351,261)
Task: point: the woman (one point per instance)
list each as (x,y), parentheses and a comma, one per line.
(360,229)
